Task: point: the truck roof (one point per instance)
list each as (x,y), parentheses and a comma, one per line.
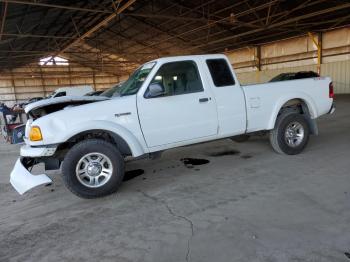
(189,57)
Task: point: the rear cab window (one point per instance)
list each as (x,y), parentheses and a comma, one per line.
(220,72)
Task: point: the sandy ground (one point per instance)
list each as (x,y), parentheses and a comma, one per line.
(247,204)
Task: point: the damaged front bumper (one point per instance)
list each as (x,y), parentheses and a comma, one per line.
(22,180)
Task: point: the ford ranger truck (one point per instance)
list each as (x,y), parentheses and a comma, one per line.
(166,103)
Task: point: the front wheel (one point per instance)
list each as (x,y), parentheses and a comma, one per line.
(290,135)
(93,168)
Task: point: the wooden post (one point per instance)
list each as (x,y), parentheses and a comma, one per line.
(319,53)
(258,57)
(42,80)
(13,85)
(70,75)
(318,43)
(93,79)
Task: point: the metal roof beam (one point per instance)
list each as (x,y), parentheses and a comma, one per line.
(71,8)
(167,17)
(211,24)
(3,20)
(274,25)
(97,27)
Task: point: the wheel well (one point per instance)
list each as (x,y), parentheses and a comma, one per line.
(105,135)
(299,106)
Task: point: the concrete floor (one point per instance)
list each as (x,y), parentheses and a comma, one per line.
(251,205)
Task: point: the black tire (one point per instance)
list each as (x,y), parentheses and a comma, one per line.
(240,138)
(81,149)
(278,137)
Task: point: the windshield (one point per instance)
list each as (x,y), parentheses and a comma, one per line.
(51,95)
(112,91)
(135,81)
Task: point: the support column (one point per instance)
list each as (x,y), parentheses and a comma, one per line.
(70,75)
(42,81)
(318,43)
(93,79)
(319,53)
(257,54)
(258,57)
(13,86)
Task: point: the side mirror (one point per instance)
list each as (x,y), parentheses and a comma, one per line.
(155,90)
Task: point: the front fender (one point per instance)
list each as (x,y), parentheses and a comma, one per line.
(59,133)
(290,96)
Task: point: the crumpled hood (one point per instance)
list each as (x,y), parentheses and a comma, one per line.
(56,127)
(63,99)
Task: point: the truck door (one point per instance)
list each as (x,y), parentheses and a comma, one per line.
(229,97)
(177,106)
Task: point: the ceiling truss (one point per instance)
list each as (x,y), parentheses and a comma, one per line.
(116,36)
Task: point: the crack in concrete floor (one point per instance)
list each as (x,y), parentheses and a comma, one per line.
(171,212)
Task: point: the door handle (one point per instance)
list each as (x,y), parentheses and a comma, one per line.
(202,100)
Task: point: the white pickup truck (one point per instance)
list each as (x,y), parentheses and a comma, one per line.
(166,103)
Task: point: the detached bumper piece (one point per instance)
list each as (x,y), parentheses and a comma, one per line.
(22,180)
(331,111)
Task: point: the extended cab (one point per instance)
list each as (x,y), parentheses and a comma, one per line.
(166,103)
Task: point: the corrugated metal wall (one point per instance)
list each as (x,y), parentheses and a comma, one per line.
(254,77)
(297,54)
(338,71)
(340,74)
(290,55)
(23,83)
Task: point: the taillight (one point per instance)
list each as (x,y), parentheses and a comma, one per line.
(331,90)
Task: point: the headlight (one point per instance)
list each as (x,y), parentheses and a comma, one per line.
(35,134)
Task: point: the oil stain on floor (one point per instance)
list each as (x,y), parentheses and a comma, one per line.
(225,153)
(191,162)
(132,174)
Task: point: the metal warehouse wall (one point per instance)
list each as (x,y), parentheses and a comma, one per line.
(340,74)
(254,77)
(32,81)
(338,71)
(253,65)
(297,54)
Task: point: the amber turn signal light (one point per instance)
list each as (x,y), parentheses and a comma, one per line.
(35,134)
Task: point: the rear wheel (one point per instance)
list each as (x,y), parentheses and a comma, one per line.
(93,168)
(291,134)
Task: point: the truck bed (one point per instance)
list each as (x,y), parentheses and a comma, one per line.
(264,100)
